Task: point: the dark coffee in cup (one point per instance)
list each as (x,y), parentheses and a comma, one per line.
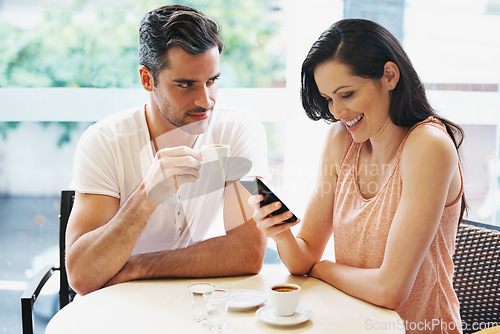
(284,288)
(285,298)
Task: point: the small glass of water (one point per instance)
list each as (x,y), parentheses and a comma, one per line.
(198,291)
(216,305)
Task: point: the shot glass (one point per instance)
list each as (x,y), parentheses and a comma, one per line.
(216,304)
(197,292)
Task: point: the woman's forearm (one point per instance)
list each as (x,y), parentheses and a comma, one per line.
(372,285)
(295,254)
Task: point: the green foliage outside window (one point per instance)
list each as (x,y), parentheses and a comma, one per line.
(85,43)
(82,43)
(7,126)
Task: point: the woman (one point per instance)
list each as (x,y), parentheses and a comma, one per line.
(397,190)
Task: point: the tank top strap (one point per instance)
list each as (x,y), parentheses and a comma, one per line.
(349,141)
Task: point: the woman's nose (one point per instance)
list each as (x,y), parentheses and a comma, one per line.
(336,109)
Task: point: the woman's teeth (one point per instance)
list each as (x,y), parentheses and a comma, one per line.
(354,121)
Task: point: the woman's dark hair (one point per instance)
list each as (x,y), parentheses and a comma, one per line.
(176,25)
(365,47)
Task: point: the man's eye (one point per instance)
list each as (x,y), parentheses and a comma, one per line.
(212,81)
(184,85)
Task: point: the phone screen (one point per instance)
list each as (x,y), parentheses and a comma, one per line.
(256,186)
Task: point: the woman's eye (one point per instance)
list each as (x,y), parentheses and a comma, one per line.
(347,95)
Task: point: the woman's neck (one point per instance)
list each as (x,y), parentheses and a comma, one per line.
(382,147)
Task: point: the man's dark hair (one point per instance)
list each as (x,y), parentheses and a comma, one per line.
(175,26)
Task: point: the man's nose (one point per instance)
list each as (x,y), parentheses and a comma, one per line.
(204,99)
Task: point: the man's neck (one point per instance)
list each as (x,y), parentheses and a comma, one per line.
(166,136)
(173,138)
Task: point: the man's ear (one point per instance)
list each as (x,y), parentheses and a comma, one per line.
(147,79)
(391,75)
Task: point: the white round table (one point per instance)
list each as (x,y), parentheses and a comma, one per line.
(163,306)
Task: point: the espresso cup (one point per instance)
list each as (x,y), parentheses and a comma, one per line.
(285,298)
(214,163)
(215,152)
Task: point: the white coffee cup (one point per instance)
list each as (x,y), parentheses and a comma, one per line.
(214,162)
(285,298)
(215,152)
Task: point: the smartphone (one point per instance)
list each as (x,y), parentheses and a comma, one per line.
(256,186)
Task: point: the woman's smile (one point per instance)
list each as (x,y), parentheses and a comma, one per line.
(354,121)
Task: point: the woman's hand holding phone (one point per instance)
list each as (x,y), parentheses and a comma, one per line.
(270,213)
(272,225)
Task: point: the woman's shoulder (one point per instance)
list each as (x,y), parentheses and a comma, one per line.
(429,133)
(337,138)
(427,141)
(337,135)
(337,132)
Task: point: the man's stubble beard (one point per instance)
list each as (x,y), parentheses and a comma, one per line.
(194,128)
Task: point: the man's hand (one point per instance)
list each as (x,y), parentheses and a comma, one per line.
(171,168)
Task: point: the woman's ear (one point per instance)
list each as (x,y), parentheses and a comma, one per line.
(391,75)
(147,79)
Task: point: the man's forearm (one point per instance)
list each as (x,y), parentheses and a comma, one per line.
(228,255)
(96,256)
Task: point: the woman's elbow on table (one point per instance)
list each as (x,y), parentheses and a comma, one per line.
(392,298)
(302,267)
(301,270)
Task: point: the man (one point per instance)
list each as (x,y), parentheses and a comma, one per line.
(142,206)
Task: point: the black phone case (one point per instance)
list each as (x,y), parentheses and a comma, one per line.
(256,186)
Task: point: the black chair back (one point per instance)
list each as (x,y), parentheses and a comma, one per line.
(38,281)
(477,274)
(67,200)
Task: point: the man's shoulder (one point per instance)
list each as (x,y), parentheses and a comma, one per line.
(227,115)
(235,127)
(122,122)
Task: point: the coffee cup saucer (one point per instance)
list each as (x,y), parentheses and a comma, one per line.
(245,299)
(268,315)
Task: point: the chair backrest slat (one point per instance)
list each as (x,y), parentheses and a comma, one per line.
(67,200)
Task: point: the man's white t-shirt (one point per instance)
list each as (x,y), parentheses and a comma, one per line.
(114,155)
